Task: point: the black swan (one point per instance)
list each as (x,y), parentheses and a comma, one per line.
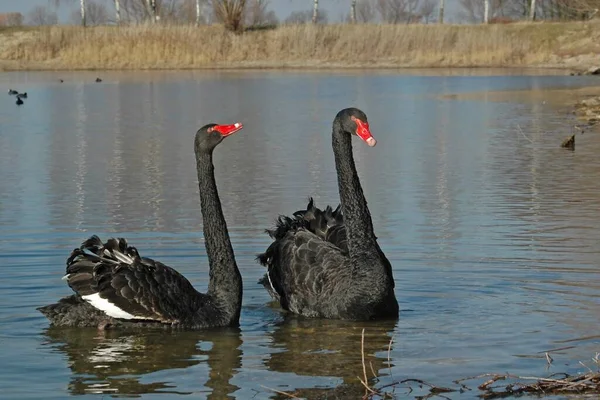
(328,264)
(115,287)
(22,95)
(19,101)
(12,92)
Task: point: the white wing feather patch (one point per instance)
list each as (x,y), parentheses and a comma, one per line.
(109,308)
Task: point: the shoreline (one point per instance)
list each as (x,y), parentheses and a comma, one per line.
(9,66)
(554,46)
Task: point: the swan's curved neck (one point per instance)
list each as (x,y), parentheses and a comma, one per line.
(357,218)
(225,282)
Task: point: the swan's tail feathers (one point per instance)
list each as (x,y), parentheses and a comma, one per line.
(93,258)
(285,224)
(322,222)
(72,311)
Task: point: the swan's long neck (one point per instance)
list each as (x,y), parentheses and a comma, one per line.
(225,283)
(359,227)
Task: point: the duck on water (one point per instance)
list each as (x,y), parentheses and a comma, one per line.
(327,263)
(115,286)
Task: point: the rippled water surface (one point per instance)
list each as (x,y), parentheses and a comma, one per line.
(492,229)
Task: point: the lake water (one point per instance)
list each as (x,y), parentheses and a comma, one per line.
(492,229)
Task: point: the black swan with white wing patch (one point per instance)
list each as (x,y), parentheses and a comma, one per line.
(115,286)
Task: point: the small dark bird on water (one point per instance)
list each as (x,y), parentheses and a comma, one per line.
(19,101)
(22,95)
(98,80)
(61,81)
(12,92)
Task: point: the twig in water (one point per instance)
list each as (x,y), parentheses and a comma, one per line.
(548,358)
(432,388)
(556,349)
(373,370)
(522,133)
(389,355)
(364,382)
(588,368)
(291,396)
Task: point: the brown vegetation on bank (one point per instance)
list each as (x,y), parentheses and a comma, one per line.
(363,45)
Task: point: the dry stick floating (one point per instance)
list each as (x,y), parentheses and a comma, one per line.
(522,133)
(362,354)
(291,396)
(389,355)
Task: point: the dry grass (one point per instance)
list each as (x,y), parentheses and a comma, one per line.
(181,47)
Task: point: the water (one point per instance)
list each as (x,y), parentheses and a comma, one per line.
(492,229)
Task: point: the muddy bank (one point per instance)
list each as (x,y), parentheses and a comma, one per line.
(588,110)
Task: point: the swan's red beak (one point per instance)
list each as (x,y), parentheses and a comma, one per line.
(363,132)
(226,130)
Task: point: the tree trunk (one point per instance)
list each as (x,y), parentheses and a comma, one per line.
(532,11)
(441,14)
(315,11)
(353,12)
(155,16)
(151,6)
(198,13)
(118,11)
(486,11)
(82,3)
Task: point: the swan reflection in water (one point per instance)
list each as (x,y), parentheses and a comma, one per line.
(118,362)
(329,348)
(122,363)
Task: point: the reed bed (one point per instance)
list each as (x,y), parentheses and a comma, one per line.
(338,46)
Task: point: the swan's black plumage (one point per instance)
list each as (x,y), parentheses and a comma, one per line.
(327,263)
(115,285)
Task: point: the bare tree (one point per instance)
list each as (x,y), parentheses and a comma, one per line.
(441,12)
(82,7)
(186,12)
(398,11)
(364,11)
(427,10)
(167,10)
(11,19)
(474,10)
(486,11)
(315,13)
(257,13)
(118,12)
(507,10)
(230,13)
(41,15)
(95,14)
(304,17)
(152,11)
(353,12)
(198,12)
